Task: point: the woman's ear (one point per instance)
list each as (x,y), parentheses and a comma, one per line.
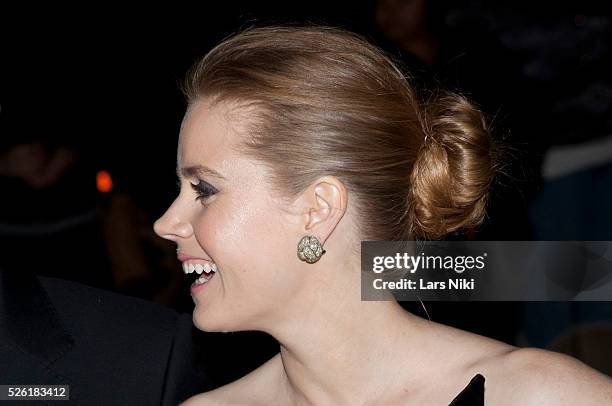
(326,201)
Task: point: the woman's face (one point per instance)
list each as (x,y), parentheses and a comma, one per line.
(230,219)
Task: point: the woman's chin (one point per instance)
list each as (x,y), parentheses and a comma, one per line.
(206,322)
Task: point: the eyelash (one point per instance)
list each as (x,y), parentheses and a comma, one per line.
(203,190)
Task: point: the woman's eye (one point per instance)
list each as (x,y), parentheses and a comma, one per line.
(203,190)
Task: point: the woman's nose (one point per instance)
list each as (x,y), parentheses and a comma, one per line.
(171,226)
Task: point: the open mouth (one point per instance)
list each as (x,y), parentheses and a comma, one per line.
(204,278)
(199,273)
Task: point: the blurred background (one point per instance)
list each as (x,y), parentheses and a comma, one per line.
(90,113)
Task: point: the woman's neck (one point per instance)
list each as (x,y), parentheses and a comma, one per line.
(343,350)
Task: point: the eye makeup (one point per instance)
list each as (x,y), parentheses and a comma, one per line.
(203,189)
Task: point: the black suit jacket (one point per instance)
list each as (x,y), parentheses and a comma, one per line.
(111,349)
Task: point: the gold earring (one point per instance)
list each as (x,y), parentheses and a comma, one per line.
(309,249)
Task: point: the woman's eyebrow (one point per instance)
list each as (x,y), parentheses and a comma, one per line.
(196,170)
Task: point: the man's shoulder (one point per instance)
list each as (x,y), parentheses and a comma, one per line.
(102,310)
(106,345)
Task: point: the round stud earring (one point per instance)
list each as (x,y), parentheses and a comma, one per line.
(310,249)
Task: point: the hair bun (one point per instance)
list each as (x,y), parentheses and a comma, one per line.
(454,168)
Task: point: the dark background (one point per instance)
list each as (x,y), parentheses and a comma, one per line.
(101,86)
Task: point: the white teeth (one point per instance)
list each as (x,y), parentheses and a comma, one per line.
(201,280)
(199,268)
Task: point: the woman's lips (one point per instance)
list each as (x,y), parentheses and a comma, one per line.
(184,257)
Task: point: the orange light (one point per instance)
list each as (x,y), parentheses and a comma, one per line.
(104,182)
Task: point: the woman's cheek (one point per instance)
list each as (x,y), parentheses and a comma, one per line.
(238,234)
(207,227)
(219,229)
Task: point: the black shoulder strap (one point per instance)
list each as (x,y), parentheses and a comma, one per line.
(472,394)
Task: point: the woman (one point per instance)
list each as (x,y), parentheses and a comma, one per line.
(296,132)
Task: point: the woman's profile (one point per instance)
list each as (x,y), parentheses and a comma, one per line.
(312,131)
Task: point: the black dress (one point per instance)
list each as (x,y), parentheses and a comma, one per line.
(472,394)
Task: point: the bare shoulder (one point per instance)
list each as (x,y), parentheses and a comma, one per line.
(530,376)
(249,390)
